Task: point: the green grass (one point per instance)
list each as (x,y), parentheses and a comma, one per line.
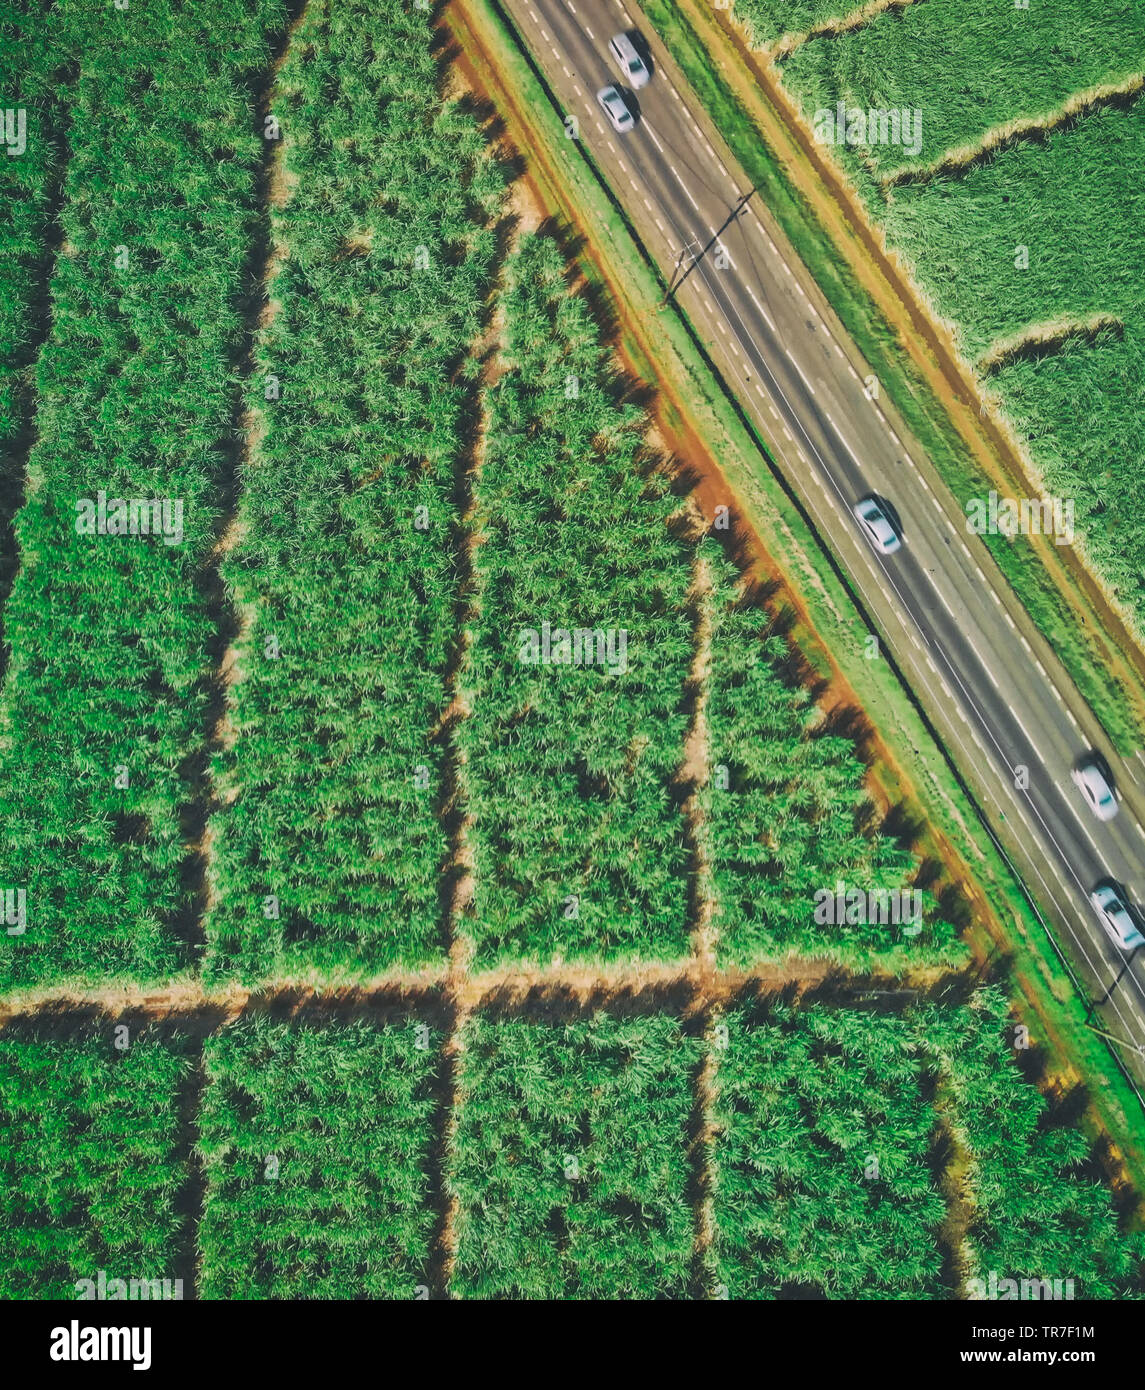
(768,19)
(835,1132)
(1040,1208)
(91,1159)
(569,1163)
(315,1144)
(966,65)
(1079,410)
(347,564)
(785,811)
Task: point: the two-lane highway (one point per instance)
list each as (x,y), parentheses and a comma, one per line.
(994,689)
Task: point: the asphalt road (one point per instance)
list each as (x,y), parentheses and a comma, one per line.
(993,687)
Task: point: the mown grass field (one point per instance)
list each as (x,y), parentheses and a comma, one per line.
(1073,393)
(1080,408)
(967,65)
(301,745)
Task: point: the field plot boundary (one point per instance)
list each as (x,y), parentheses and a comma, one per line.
(690,977)
(842,23)
(1002,137)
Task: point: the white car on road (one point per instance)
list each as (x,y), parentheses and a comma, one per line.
(632,67)
(1116,915)
(874,520)
(614,106)
(1092,779)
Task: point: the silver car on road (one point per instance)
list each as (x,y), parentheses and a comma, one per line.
(632,67)
(1092,779)
(614,106)
(1116,915)
(880,529)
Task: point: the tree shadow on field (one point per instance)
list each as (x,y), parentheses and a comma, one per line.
(1070,1106)
(849,721)
(390,1005)
(759,999)
(76,1020)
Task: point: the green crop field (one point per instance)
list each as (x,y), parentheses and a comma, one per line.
(578,834)
(104,704)
(345,572)
(1040,1209)
(767,20)
(92,1157)
(570,1162)
(314,1144)
(783,802)
(28,188)
(452,815)
(1080,409)
(1010,64)
(853,1154)
(843,1137)
(1039,240)
(825,1178)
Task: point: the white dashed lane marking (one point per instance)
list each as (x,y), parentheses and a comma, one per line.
(684,186)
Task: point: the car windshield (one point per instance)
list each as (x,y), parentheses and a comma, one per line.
(634,66)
